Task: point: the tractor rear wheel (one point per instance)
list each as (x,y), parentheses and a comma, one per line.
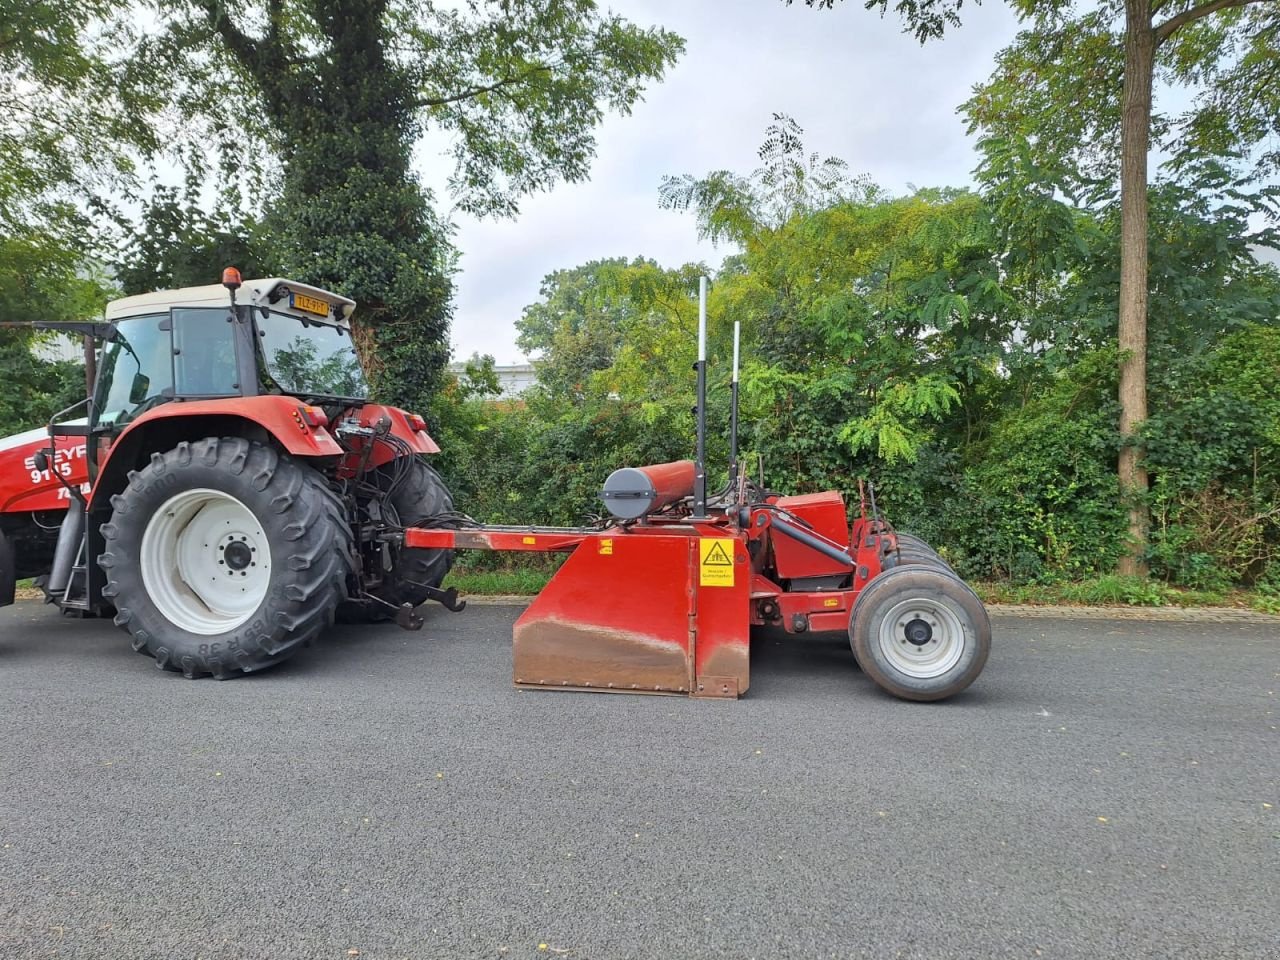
(418,497)
(920,633)
(225,557)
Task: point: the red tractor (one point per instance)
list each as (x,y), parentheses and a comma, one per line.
(229,490)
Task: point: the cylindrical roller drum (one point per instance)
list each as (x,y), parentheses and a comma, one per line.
(633,492)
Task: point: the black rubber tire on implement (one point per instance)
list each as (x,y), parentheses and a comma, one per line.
(908,556)
(301,521)
(911,540)
(897,604)
(420,496)
(913,550)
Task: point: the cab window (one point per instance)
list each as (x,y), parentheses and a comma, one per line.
(204,352)
(136,370)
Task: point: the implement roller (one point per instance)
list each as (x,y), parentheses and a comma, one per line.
(663,599)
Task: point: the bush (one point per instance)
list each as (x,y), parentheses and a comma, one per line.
(1214,454)
(1039,500)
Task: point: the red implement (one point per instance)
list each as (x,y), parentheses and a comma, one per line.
(666,604)
(662,609)
(663,601)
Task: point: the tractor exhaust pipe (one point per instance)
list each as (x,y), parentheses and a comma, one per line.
(700,460)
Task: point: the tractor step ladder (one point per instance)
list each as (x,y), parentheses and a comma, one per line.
(76,596)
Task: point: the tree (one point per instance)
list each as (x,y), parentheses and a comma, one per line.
(868,316)
(616,329)
(73,121)
(1056,87)
(788,183)
(575,327)
(178,244)
(69,110)
(344,90)
(40,279)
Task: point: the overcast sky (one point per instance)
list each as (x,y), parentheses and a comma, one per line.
(861,89)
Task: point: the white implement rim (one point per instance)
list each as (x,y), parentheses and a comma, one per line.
(921,661)
(206,563)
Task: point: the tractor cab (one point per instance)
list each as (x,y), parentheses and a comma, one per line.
(278,337)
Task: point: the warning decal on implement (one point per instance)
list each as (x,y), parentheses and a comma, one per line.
(715,567)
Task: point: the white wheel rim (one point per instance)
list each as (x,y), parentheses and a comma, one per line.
(206,563)
(912,621)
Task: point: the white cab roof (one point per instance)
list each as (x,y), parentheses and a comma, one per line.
(216,295)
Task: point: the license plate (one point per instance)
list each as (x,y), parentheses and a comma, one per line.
(300,301)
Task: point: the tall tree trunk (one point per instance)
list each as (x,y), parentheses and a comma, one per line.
(1139,50)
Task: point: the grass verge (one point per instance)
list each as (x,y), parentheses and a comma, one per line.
(498,582)
(1108,591)
(1117,591)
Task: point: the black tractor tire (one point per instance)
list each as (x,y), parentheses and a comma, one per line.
(913,550)
(300,522)
(420,497)
(920,633)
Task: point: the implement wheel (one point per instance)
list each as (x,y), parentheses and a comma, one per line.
(914,551)
(224,557)
(920,633)
(419,496)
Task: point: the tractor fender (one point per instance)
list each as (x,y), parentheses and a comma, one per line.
(421,442)
(269,418)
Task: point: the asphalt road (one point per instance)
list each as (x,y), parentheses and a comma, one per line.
(1105,790)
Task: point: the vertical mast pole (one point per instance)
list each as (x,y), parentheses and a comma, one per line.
(700,468)
(733,411)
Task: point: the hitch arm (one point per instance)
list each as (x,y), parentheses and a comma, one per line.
(446,598)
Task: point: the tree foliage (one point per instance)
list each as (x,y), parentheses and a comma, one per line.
(956,347)
(924,19)
(340,92)
(177,244)
(1056,87)
(70,106)
(40,279)
(1077,88)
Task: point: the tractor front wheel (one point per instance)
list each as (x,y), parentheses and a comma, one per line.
(920,632)
(224,557)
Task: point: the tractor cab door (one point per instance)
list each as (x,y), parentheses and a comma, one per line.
(135,372)
(186,352)
(206,355)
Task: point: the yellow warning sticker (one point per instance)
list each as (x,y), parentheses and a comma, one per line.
(715,566)
(606,546)
(529,540)
(832,602)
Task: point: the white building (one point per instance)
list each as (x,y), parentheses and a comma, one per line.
(59,346)
(513,378)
